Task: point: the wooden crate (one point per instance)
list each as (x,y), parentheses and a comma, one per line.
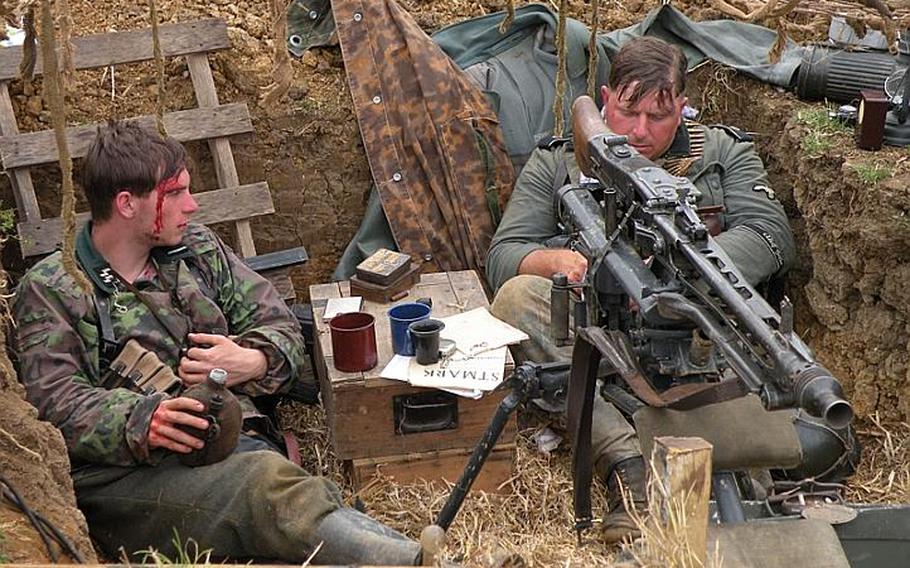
(361,407)
(436,466)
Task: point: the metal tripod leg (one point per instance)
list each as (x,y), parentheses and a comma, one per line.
(528,381)
(478,457)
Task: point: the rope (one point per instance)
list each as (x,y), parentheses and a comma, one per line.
(44,528)
(65,21)
(592,50)
(55,102)
(159,70)
(29,45)
(558,116)
(282,73)
(510,17)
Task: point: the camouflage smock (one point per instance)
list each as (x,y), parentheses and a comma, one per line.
(58,337)
(725,169)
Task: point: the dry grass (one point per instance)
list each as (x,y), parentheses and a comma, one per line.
(884,472)
(533,516)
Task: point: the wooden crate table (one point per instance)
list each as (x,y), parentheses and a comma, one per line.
(364,412)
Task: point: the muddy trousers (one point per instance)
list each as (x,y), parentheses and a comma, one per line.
(254,504)
(524,302)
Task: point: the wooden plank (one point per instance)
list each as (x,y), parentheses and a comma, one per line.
(102,50)
(281,280)
(225,168)
(438,466)
(468,289)
(44,236)
(23,188)
(683,468)
(35,148)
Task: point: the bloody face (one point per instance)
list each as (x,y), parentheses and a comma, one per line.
(168,209)
(650,123)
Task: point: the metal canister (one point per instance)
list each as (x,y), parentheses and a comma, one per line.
(223,413)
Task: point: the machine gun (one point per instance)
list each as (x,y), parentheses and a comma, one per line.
(664,305)
(695,318)
(698,332)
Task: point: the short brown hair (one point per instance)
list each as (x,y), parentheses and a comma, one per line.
(648,64)
(127,157)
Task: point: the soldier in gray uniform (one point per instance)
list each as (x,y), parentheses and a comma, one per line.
(643,100)
(177,290)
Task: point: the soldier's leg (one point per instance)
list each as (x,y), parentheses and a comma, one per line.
(524,302)
(251,505)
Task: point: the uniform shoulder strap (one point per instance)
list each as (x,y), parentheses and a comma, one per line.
(107,341)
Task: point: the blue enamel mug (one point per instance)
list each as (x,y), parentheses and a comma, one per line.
(400,317)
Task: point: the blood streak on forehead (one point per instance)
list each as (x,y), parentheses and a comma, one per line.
(164,187)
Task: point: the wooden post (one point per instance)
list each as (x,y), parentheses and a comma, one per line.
(683,469)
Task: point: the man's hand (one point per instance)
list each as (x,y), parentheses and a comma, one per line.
(218,351)
(547,262)
(163,431)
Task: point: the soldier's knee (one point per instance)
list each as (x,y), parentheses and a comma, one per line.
(517,294)
(268,472)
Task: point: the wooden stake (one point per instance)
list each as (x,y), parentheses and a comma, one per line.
(683,470)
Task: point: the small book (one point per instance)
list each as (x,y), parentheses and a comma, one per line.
(345,305)
(383,267)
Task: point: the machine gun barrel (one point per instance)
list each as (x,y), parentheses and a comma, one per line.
(795,377)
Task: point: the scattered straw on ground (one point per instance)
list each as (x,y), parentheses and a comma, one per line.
(533,516)
(884,472)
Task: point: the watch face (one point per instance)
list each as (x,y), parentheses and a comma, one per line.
(859,113)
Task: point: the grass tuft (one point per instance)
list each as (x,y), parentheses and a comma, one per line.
(871,174)
(187,553)
(823,130)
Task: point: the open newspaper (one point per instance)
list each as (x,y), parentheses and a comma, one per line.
(477,363)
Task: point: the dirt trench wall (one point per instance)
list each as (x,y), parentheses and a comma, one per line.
(33,460)
(851,285)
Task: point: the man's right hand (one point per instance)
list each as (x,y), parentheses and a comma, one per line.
(163,432)
(547,262)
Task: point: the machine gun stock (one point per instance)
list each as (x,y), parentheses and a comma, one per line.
(687,284)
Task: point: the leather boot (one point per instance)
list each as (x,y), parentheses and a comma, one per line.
(630,473)
(347,536)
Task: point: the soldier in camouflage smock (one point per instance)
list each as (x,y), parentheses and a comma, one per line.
(643,100)
(181,293)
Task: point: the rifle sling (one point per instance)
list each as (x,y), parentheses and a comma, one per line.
(592,343)
(580,405)
(178,340)
(107,341)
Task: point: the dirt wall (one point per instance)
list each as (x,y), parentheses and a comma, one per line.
(849,213)
(33,461)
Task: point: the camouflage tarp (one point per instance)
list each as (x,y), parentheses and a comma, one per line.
(433,142)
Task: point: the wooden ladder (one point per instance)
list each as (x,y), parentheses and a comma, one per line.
(211,121)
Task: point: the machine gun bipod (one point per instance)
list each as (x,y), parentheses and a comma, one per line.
(528,381)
